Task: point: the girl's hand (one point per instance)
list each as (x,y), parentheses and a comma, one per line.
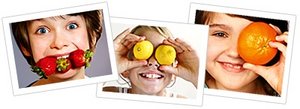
(123,43)
(188,61)
(273,74)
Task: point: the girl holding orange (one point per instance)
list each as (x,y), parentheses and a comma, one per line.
(226,70)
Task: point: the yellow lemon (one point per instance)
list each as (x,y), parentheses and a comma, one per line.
(165,54)
(143,50)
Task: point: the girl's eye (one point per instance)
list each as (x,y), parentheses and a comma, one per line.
(72,26)
(42,30)
(220,34)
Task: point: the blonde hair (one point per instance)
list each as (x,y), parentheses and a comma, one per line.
(163,31)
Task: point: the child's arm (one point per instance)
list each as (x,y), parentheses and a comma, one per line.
(188,61)
(122,43)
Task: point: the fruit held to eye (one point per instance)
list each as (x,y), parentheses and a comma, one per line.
(143,50)
(165,54)
(253,43)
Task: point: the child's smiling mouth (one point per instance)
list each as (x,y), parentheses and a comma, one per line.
(152,75)
(232,67)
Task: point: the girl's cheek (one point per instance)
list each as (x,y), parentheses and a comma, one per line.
(81,42)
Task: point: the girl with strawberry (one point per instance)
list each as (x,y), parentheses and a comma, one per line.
(60,47)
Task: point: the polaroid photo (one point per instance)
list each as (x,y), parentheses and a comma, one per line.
(60,48)
(166,57)
(248,52)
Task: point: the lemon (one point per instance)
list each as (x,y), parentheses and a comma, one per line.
(165,54)
(143,50)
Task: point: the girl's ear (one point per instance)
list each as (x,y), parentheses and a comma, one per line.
(25,51)
(173,77)
(125,74)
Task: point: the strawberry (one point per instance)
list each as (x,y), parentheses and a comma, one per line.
(45,66)
(63,65)
(80,58)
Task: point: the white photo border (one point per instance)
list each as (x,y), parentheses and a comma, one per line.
(255,13)
(201,52)
(75,9)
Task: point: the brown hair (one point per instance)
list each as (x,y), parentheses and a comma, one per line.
(93,20)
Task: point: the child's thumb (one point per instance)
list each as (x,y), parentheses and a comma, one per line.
(133,64)
(169,69)
(256,68)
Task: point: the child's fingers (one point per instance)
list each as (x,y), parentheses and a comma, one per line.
(169,69)
(178,43)
(133,64)
(130,45)
(279,46)
(260,70)
(130,40)
(184,44)
(178,46)
(133,37)
(121,36)
(282,37)
(278,31)
(271,76)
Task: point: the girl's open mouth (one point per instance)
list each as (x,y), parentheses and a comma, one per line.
(151,75)
(232,67)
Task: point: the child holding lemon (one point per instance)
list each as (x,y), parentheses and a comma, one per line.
(229,68)
(149,58)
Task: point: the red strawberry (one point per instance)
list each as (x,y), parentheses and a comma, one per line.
(45,66)
(63,65)
(80,58)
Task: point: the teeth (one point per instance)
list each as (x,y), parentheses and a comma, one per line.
(65,56)
(151,76)
(232,66)
(237,67)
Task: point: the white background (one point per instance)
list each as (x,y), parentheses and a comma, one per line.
(163,10)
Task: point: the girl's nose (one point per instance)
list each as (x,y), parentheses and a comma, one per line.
(232,50)
(60,40)
(152,62)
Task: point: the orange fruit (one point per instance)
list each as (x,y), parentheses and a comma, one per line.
(253,43)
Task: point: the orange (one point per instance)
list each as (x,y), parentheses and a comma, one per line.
(253,43)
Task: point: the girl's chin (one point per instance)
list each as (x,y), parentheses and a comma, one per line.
(67,75)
